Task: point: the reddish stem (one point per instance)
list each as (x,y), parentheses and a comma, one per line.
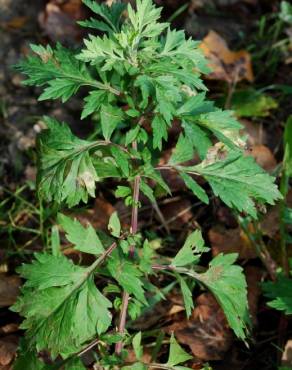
(133,230)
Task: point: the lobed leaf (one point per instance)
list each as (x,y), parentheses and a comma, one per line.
(69,309)
(65,171)
(239,182)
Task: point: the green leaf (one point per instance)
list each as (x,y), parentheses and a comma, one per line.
(74,364)
(286,12)
(288,147)
(147,191)
(149,171)
(132,134)
(183,151)
(144,20)
(187,295)
(84,239)
(281,294)
(122,159)
(102,50)
(114,225)
(239,182)
(59,69)
(127,275)
(138,349)
(111,16)
(27,359)
(69,310)
(224,126)
(179,49)
(93,102)
(146,257)
(227,282)
(191,251)
(159,127)
(123,191)
(195,187)
(177,354)
(60,88)
(65,171)
(288,216)
(252,103)
(110,117)
(198,138)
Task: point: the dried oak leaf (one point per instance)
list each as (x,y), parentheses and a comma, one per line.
(224,240)
(226,65)
(206,332)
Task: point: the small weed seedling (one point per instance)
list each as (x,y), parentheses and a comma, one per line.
(140,76)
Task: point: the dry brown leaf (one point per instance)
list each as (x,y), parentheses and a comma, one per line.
(206,332)
(226,65)
(9,289)
(59,20)
(98,216)
(8,347)
(9,328)
(229,241)
(256,134)
(287,354)
(264,157)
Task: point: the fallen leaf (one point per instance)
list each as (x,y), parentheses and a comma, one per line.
(8,347)
(9,289)
(59,20)
(206,332)
(264,157)
(224,240)
(269,225)
(255,132)
(226,65)
(252,103)
(287,354)
(98,216)
(9,328)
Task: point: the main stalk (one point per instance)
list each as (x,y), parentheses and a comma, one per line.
(133,230)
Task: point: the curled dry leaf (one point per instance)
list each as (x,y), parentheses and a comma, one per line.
(226,65)
(229,241)
(206,332)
